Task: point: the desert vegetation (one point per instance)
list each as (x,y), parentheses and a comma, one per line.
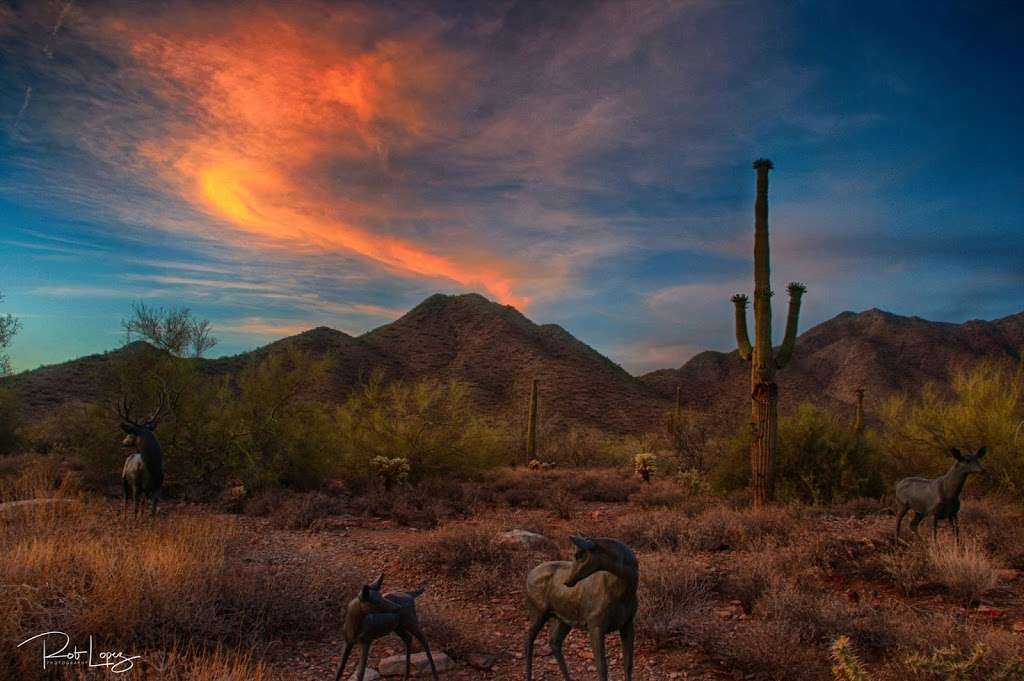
(763,552)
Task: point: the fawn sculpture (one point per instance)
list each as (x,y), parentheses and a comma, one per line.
(596,592)
(939,498)
(372,615)
(143,472)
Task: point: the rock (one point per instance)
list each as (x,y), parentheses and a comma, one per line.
(481,661)
(522,537)
(25,503)
(395,665)
(371,675)
(1018,626)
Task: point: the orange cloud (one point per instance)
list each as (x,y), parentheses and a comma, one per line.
(271,99)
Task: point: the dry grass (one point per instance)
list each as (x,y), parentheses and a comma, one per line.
(454,630)
(673,591)
(472,553)
(964,569)
(77,568)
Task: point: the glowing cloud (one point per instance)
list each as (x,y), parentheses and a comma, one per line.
(271,101)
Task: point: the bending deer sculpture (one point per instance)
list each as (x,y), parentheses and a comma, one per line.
(372,615)
(939,498)
(143,472)
(596,592)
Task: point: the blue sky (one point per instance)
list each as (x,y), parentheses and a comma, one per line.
(277,169)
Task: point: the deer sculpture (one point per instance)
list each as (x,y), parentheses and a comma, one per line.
(143,472)
(938,498)
(596,592)
(372,615)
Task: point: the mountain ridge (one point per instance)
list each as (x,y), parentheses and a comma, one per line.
(497,351)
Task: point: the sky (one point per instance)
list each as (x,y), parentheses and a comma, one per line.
(281,166)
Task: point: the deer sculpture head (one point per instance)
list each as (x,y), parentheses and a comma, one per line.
(135,432)
(967,463)
(595,555)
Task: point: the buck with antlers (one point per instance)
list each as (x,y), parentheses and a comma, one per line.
(143,472)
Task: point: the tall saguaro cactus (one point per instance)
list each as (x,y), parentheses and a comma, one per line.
(764,418)
(531,425)
(858,421)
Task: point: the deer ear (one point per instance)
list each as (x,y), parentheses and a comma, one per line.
(582,542)
(955,453)
(126,427)
(364,594)
(377,583)
(981,453)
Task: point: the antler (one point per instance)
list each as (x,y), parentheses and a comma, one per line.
(124,410)
(151,422)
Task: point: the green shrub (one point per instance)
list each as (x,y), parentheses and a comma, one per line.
(982,405)
(820,459)
(434,426)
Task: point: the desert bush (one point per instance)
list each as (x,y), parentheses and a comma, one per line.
(820,460)
(660,494)
(760,649)
(719,528)
(453,629)
(672,591)
(474,553)
(303,510)
(819,616)
(432,425)
(963,568)
(981,405)
(998,523)
(651,530)
(907,567)
(577,447)
(609,486)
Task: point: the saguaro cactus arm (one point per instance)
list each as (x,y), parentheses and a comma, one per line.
(782,357)
(742,337)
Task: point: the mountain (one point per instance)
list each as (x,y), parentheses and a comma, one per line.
(880,351)
(497,351)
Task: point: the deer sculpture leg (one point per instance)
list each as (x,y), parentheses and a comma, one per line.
(344,660)
(935,528)
(415,631)
(365,660)
(407,640)
(156,499)
(539,620)
(627,634)
(899,520)
(918,517)
(600,659)
(559,630)
(955,522)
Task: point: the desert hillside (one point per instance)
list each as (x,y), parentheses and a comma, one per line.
(497,351)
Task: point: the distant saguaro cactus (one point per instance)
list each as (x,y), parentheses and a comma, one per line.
(677,415)
(858,420)
(531,425)
(764,419)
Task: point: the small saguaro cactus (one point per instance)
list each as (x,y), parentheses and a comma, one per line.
(677,415)
(764,362)
(644,465)
(531,425)
(858,420)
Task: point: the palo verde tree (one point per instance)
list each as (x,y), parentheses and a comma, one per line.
(174,330)
(764,361)
(9,325)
